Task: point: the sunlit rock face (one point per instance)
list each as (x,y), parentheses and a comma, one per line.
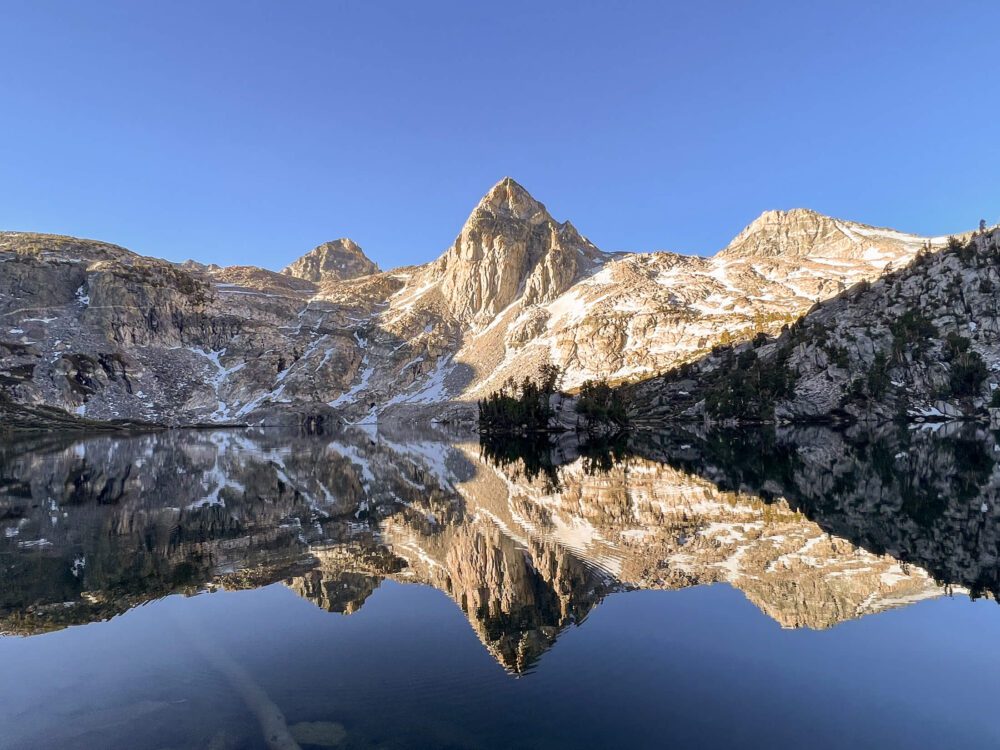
(510,250)
(338,260)
(814,527)
(102,333)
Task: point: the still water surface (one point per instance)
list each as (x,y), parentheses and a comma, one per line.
(406,590)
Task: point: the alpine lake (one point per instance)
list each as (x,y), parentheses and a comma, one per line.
(402,588)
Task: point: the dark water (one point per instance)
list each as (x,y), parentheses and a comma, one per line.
(803,588)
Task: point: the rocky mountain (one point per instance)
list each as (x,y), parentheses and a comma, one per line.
(920,342)
(332,261)
(104,334)
(95,526)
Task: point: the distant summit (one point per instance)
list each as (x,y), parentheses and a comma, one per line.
(332,261)
(803,233)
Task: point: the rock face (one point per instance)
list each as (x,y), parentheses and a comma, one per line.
(332,261)
(105,334)
(801,233)
(920,342)
(510,250)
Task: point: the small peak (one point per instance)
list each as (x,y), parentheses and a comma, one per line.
(777,216)
(780,232)
(344,243)
(506,185)
(510,199)
(336,260)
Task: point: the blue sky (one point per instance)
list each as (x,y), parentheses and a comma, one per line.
(248,132)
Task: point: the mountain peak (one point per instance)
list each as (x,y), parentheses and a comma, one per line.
(510,200)
(785,215)
(332,261)
(802,233)
(510,249)
(773,218)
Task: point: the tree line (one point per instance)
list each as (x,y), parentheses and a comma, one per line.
(527,406)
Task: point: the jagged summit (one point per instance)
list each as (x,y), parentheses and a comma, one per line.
(510,199)
(332,261)
(510,248)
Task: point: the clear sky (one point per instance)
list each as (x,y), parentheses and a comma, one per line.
(247,132)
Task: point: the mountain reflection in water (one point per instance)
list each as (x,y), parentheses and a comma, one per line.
(813,526)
